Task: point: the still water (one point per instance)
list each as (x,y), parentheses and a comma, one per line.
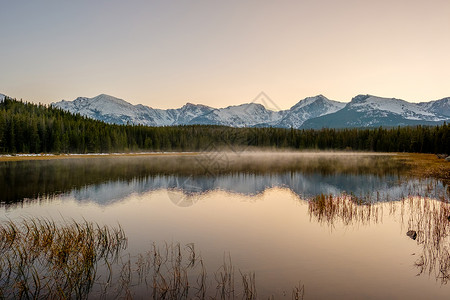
(337,225)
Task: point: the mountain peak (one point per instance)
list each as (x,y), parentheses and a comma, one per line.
(190,104)
(360,98)
(412,111)
(108,98)
(308,108)
(317,99)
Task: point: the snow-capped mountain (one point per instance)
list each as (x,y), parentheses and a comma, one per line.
(440,107)
(372,111)
(190,111)
(117,111)
(243,115)
(311,112)
(308,108)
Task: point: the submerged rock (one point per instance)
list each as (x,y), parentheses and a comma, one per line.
(412,234)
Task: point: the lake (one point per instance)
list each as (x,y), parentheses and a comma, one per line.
(245,225)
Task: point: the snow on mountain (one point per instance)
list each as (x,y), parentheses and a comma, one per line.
(311,112)
(440,107)
(372,111)
(2,97)
(407,110)
(250,114)
(190,111)
(309,108)
(113,110)
(107,108)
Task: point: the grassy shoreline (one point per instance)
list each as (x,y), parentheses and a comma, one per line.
(426,165)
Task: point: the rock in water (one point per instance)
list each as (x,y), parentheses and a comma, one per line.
(412,234)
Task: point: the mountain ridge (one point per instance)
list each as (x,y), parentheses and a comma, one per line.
(113,110)
(373,111)
(311,112)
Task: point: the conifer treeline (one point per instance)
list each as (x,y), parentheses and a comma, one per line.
(31,128)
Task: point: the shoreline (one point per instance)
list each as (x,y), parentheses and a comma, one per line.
(49,156)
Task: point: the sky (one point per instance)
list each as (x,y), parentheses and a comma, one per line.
(220,53)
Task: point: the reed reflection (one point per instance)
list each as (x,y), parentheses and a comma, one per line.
(427,222)
(348,209)
(430,220)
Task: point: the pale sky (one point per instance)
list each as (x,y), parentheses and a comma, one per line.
(219,53)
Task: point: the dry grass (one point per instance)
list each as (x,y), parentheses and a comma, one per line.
(41,259)
(426,166)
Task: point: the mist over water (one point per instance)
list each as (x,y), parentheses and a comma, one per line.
(306,174)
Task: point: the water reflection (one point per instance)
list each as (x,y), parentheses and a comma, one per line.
(184,190)
(245,173)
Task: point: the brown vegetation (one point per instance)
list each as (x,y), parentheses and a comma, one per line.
(426,166)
